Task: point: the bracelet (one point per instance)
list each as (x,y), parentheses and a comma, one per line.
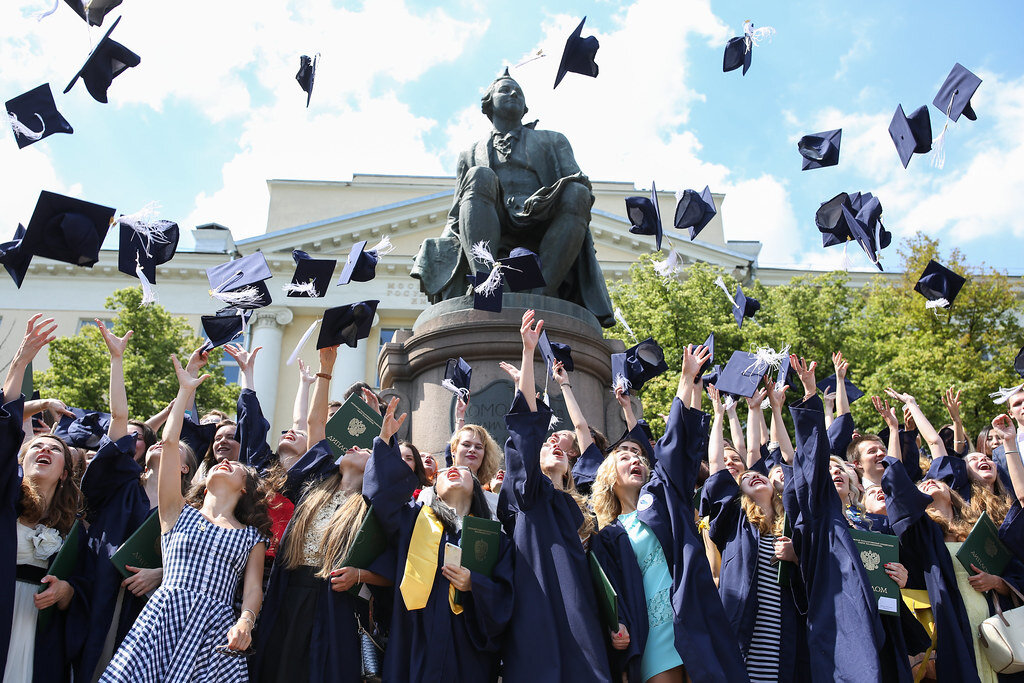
(359,575)
(565,385)
(324,375)
(252,624)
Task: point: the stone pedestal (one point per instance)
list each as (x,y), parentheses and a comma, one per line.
(412,366)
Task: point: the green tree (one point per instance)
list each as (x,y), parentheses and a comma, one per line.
(79,372)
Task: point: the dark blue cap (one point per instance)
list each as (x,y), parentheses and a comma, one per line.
(737,54)
(224,326)
(521,270)
(552,351)
(820,149)
(153,247)
(695,211)
(485,302)
(346,324)
(709,344)
(458,372)
(105,63)
(938,283)
(306,75)
(578,55)
(863,217)
(67,229)
(740,376)
(828,384)
(645,215)
(360,266)
(831,221)
(319,271)
(1018,363)
(198,437)
(247,272)
(96,11)
(746,306)
(37,111)
(955,94)
(911,134)
(714,372)
(639,364)
(85,429)
(15,259)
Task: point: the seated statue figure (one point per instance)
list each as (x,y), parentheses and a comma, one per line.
(519,187)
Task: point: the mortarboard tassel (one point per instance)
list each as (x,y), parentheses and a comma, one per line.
(307,288)
(767,357)
(305,337)
(845,262)
(939,157)
(247,296)
(148,291)
(143,222)
(621,383)
(1003,395)
(670,266)
(481,252)
(42,15)
(384,247)
(493,282)
(941,302)
(536,55)
(23,130)
(621,319)
(721,283)
(458,391)
(729,401)
(756,36)
(554,421)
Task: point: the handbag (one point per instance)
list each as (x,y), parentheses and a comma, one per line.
(372,642)
(1002,636)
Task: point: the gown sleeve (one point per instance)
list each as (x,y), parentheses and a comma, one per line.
(112,468)
(681,449)
(524,481)
(11,436)
(388,483)
(252,431)
(840,434)
(910,453)
(815,493)
(488,606)
(719,500)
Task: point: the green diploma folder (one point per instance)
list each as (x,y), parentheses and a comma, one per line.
(876,551)
(983,548)
(369,543)
(480,545)
(142,549)
(61,567)
(354,425)
(607,598)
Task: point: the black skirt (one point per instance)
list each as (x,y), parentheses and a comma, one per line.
(286,657)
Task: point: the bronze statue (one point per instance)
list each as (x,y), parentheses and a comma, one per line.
(520,187)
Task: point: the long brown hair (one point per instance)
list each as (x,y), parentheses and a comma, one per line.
(756,515)
(251,508)
(67,498)
(493,455)
(963,515)
(996,502)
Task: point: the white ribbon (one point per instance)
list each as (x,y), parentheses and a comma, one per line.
(670,266)
(1004,394)
(384,247)
(247,296)
(23,130)
(148,291)
(721,283)
(42,15)
(767,357)
(481,252)
(756,36)
(621,319)
(939,157)
(305,337)
(941,302)
(307,288)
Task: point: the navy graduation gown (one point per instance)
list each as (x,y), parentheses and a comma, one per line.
(922,538)
(952,471)
(844,631)
(467,644)
(840,434)
(999,458)
(555,633)
(614,551)
(252,431)
(11,436)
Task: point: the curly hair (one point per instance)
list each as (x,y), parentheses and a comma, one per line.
(493,455)
(487,101)
(757,517)
(603,499)
(996,503)
(67,499)
(251,508)
(963,519)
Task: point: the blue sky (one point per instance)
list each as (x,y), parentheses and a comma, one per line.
(213,109)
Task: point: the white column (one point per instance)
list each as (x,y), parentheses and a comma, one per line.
(267,326)
(350,367)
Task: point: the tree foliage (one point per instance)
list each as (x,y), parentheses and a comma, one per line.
(79,372)
(883,329)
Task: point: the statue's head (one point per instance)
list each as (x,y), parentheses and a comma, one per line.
(487,101)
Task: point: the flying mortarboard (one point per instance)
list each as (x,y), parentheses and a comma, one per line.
(863,217)
(346,324)
(145,244)
(312,276)
(105,63)
(911,134)
(820,149)
(224,326)
(521,270)
(240,283)
(361,264)
(828,384)
(831,222)
(457,375)
(637,365)
(306,75)
(738,50)
(552,351)
(67,229)
(1018,363)
(84,430)
(489,301)
(645,215)
(34,116)
(939,285)
(578,55)
(954,97)
(709,344)
(714,372)
(741,375)
(14,258)
(746,306)
(93,11)
(694,211)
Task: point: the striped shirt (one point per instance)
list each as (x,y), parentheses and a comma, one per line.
(763,656)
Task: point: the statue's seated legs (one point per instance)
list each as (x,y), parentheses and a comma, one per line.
(478,211)
(563,238)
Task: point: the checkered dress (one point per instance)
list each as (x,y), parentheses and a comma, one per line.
(173,639)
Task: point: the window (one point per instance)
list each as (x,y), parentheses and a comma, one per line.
(89,322)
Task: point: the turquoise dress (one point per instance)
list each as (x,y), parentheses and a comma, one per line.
(660,652)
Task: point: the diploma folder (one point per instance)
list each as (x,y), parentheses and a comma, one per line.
(876,551)
(142,549)
(607,598)
(63,564)
(355,424)
(480,545)
(984,549)
(368,545)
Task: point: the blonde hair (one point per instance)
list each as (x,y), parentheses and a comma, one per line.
(603,500)
(996,503)
(493,455)
(964,516)
(757,517)
(856,491)
(340,532)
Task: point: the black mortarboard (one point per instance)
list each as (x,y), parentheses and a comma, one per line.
(645,215)
(863,217)
(578,55)
(153,245)
(737,54)
(85,429)
(955,94)
(695,211)
(361,265)
(740,376)
(820,149)
(782,377)
(346,324)
(307,72)
(310,270)
(96,10)
(521,270)
(67,229)
(1018,363)
(746,306)
(482,301)
(105,63)
(911,134)
(714,372)
(37,112)
(457,373)
(14,258)
(831,222)
(198,437)
(639,364)
(939,285)
(240,283)
(552,351)
(224,326)
(709,343)
(829,384)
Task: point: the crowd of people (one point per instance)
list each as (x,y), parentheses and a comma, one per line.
(690,557)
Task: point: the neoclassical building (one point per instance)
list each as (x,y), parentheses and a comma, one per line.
(325,218)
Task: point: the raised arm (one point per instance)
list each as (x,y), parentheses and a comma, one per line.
(530,335)
(841,367)
(924,427)
(158,420)
(388,482)
(118,394)
(951,399)
(317,422)
(246,362)
(756,427)
(716,439)
(37,335)
(779,433)
(679,452)
(169,498)
(739,443)
(579,423)
(1003,426)
(300,411)
(892,422)
(627,408)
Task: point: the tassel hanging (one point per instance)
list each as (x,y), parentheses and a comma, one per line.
(23,130)
(247,296)
(941,302)
(939,147)
(493,282)
(42,15)
(384,247)
(458,391)
(621,383)
(670,266)
(756,36)
(305,337)
(302,288)
(765,358)
(148,291)
(536,55)
(621,319)
(481,252)
(721,283)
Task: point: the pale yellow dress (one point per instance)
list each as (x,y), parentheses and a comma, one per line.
(977,611)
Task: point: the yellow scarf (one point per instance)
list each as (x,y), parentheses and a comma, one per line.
(421,562)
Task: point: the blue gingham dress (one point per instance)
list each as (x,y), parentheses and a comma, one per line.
(189,615)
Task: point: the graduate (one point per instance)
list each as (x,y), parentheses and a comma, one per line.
(432,638)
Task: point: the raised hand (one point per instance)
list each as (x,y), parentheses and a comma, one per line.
(886,411)
(776,397)
(805,371)
(245,359)
(371,398)
(197,361)
(36,337)
(622,399)
(529,332)
(755,401)
(908,418)
(306,374)
(115,345)
(511,370)
(558,373)
(1003,427)
(716,401)
(951,399)
(390,426)
(841,365)
(693,359)
(185,380)
(905,399)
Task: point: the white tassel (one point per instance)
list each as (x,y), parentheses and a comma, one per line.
(546,398)
(721,283)
(757,35)
(554,421)
(939,147)
(941,302)
(1003,395)
(305,337)
(493,282)
(144,223)
(42,15)
(845,262)
(458,391)
(384,247)
(536,55)
(307,288)
(148,292)
(670,266)
(621,383)
(23,130)
(481,252)
(729,401)
(767,357)
(621,319)
(247,296)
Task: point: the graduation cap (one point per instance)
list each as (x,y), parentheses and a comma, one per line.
(361,264)
(911,134)
(1018,363)
(346,324)
(312,276)
(14,258)
(34,116)
(307,72)
(105,63)
(457,373)
(954,97)
(552,351)
(831,221)
(645,215)
(829,385)
(84,430)
(578,55)
(694,211)
(521,270)
(709,344)
(224,326)
(240,283)
(714,372)
(93,11)
(67,229)
(637,365)
(738,50)
(939,285)
(485,299)
(741,375)
(863,217)
(146,245)
(746,306)
(820,149)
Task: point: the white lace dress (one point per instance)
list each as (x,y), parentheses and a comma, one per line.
(35,546)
